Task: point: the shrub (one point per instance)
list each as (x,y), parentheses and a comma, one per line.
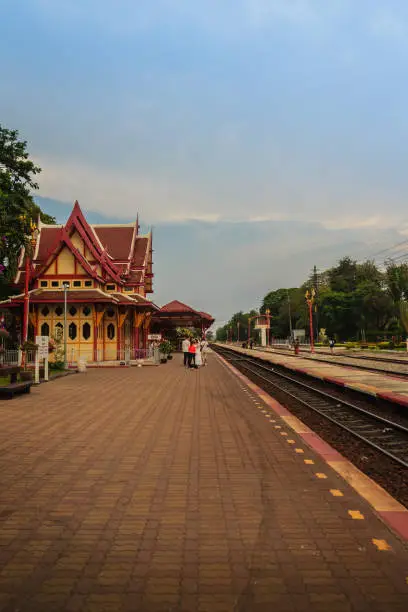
(385,345)
(351,345)
(57,365)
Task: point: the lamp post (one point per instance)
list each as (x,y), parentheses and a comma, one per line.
(66,287)
(29,251)
(310,296)
(238,330)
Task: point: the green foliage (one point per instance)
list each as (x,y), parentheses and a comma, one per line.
(57,365)
(17,207)
(165,347)
(355,302)
(385,345)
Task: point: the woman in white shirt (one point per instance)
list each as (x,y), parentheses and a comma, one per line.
(198,360)
(204,351)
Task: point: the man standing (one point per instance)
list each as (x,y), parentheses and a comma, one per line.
(185,345)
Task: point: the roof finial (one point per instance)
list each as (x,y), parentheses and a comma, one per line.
(137,224)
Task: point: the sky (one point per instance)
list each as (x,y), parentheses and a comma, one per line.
(257,137)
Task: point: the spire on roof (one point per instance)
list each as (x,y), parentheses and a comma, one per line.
(137,224)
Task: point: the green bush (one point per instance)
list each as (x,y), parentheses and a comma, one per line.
(57,365)
(385,345)
(351,345)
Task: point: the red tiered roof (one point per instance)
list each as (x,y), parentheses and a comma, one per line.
(179,307)
(178,312)
(123,255)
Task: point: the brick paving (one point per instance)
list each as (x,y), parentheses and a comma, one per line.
(160,489)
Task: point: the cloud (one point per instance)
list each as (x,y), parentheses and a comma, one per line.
(173,198)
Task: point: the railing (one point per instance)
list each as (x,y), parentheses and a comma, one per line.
(74,356)
(14,357)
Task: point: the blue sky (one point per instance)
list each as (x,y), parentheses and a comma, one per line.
(259,137)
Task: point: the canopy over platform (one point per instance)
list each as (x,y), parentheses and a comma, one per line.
(176,314)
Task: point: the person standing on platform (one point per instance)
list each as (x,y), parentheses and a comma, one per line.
(331,345)
(198,358)
(204,351)
(185,345)
(191,354)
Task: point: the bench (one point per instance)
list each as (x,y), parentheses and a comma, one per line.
(12,389)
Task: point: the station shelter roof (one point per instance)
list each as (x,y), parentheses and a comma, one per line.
(178,314)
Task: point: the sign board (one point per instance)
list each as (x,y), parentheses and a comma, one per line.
(299,333)
(154,337)
(42,342)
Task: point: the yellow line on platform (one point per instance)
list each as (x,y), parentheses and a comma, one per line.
(356,514)
(381,544)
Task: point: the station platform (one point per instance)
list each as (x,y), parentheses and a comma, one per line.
(166,489)
(383,386)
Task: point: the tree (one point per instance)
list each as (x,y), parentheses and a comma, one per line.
(17,207)
(342,278)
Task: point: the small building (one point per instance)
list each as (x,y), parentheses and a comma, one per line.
(176,315)
(107,272)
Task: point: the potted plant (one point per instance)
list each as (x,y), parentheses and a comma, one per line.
(165,350)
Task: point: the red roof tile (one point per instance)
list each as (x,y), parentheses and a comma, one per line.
(48,236)
(176,306)
(139,253)
(116,240)
(205,315)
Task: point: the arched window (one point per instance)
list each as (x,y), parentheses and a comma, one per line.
(72,331)
(45,311)
(111,331)
(58,311)
(59,330)
(45,329)
(72,311)
(86,331)
(110,313)
(87,311)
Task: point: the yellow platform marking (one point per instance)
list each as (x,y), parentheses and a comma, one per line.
(278,427)
(283,433)
(321,475)
(299,450)
(309,461)
(367,488)
(336,493)
(290,441)
(296,424)
(356,514)
(381,544)
(272,421)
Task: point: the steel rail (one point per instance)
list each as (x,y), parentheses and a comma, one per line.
(348,365)
(348,356)
(328,397)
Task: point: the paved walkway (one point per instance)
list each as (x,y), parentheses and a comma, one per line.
(383,386)
(160,489)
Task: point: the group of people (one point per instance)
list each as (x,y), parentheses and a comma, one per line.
(195,353)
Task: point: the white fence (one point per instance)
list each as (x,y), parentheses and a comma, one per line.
(14,357)
(74,356)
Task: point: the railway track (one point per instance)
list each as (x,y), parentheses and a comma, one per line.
(356,366)
(385,436)
(348,355)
